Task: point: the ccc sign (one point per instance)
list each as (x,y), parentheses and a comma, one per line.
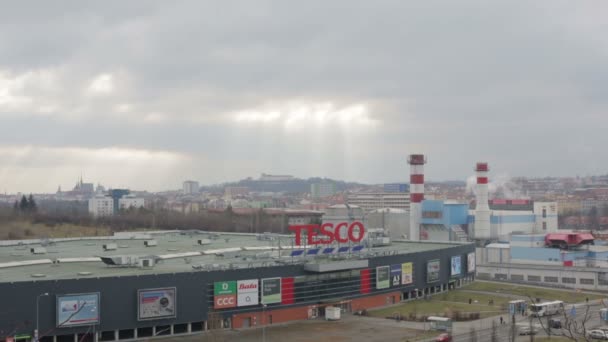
(226,301)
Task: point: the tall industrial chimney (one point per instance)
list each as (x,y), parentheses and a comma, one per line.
(482,210)
(416,162)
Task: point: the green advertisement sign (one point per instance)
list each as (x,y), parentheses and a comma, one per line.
(271,290)
(383,277)
(224,288)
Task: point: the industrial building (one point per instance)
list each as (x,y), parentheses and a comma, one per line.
(486,221)
(562,259)
(140,285)
(369,201)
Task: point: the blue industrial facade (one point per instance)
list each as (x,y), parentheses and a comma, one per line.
(396,187)
(447,214)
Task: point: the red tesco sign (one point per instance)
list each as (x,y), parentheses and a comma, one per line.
(327,233)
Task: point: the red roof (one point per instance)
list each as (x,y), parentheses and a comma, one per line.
(570,239)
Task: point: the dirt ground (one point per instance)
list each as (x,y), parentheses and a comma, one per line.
(349,328)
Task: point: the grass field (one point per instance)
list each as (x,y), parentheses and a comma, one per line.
(551,339)
(458,300)
(26,230)
(436,307)
(568,296)
(482,299)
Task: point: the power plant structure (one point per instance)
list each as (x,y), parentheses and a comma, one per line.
(484,221)
(416,162)
(482,211)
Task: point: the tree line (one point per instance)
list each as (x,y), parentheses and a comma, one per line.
(25,205)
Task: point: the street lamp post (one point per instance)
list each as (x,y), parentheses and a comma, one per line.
(37,310)
(263,322)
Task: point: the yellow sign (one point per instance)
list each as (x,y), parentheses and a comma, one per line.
(407,273)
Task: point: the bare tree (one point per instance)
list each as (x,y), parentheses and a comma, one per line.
(572,327)
(472,335)
(494,335)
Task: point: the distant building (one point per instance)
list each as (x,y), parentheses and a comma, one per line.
(380,200)
(323,189)
(234,191)
(80,191)
(190,187)
(116,195)
(101,205)
(130,201)
(342,213)
(396,187)
(275,178)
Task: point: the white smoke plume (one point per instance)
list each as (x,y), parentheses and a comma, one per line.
(499,186)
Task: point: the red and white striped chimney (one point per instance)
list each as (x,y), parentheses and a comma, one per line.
(482,210)
(416,162)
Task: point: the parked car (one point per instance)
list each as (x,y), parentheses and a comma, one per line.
(555,323)
(598,334)
(526,330)
(443,338)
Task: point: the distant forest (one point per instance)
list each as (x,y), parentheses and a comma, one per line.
(51,214)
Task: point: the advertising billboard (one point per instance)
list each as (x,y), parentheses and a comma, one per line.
(432,270)
(407,273)
(271,290)
(77,309)
(382,277)
(156,303)
(471,262)
(396,275)
(224,295)
(247,292)
(455,266)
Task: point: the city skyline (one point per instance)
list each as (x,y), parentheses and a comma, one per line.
(147,94)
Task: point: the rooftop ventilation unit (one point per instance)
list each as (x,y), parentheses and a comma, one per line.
(38,250)
(150,243)
(129,261)
(110,247)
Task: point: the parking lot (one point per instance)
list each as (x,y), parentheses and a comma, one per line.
(349,328)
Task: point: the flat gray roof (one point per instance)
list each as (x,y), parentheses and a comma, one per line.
(176,251)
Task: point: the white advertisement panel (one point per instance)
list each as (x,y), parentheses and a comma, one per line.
(156,303)
(247,292)
(471,262)
(455,266)
(77,309)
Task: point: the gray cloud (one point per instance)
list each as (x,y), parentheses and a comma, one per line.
(517,84)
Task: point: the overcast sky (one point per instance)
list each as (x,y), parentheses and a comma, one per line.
(145,95)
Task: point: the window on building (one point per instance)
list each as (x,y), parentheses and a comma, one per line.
(544,212)
(569,280)
(585,281)
(551,279)
(544,225)
(533,278)
(517,277)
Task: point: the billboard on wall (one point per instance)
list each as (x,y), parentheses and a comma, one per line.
(432,270)
(382,277)
(224,294)
(77,309)
(396,275)
(471,262)
(156,303)
(247,292)
(407,273)
(455,266)
(271,290)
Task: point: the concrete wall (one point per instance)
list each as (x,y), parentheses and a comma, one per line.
(583,278)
